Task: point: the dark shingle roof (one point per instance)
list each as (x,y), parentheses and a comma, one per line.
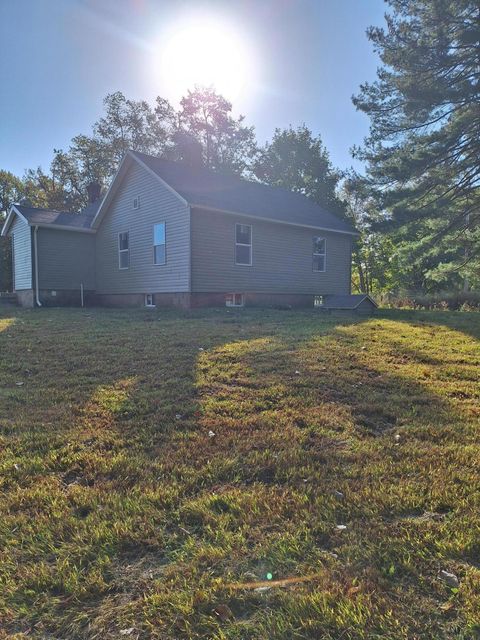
(346,301)
(81,220)
(206,188)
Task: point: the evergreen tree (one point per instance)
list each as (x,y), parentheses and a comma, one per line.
(423,150)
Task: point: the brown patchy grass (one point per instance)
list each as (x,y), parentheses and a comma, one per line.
(119,510)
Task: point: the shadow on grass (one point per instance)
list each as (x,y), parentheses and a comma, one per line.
(466,322)
(157,453)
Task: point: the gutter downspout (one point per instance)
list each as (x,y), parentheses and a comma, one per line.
(35,246)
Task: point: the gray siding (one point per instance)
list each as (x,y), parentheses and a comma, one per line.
(282,257)
(157,204)
(65,259)
(22,254)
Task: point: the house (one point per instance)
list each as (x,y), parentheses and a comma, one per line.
(168,234)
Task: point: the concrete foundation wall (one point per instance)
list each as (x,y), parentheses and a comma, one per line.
(184,300)
(65,298)
(25,298)
(179,300)
(252,299)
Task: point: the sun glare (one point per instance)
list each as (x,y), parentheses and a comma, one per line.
(203,53)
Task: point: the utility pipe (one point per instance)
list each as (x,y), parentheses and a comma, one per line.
(35,246)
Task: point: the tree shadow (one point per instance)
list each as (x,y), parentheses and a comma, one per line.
(142,438)
(466,322)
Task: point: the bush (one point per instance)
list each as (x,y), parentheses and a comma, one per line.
(451,301)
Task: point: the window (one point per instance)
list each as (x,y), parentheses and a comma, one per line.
(319,254)
(159,254)
(318,301)
(149,300)
(243,244)
(234,300)
(136,202)
(123,250)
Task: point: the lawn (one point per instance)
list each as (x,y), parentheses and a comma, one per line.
(239,475)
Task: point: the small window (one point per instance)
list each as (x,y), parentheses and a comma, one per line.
(159,253)
(234,300)
(243,244)
(318,301)
(319,254)
(149,300)
(136,202)
(123,250)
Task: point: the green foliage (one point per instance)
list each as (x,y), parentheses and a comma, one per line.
(298,161)
(226,144)
(423,150)
(375,268)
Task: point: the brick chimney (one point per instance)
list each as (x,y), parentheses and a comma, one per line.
(93,190)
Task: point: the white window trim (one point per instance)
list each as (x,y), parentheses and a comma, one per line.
(324,254)
(150,306)
(233,294)
(242,244)
(120,251)
(159,264)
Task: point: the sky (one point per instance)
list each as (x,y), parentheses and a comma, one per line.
(289,62)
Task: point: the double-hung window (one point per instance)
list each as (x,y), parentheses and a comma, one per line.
(123,250)
(243,244)
(319,254)
(159,245)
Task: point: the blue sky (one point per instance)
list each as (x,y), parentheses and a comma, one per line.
(59,58)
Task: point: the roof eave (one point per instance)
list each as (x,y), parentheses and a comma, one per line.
(8,222)
(122,169)
(264,219)
(61,227)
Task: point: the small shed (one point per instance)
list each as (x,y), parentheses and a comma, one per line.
(361,304)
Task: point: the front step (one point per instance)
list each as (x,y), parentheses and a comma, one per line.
(8,300)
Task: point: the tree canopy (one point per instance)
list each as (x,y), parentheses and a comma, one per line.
(297,160)
(423,150)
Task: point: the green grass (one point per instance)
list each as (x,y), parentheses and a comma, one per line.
(119,509)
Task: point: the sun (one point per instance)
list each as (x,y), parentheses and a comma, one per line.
(205,53)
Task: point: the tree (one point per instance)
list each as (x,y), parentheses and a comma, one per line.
(11,190)
(298,161)
(373,255)
(227,144)
(423,149)
(130,124)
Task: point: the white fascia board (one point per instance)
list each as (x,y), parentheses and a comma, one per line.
(161,180)
(122,169)
(11,214)
(111,190)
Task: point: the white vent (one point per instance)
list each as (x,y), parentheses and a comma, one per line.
(136,202)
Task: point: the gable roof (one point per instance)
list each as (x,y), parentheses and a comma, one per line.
(35,216)
(347,301)
(208,189)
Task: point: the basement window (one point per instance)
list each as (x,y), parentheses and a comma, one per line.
(234,300)
(318,301)
(149,300)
